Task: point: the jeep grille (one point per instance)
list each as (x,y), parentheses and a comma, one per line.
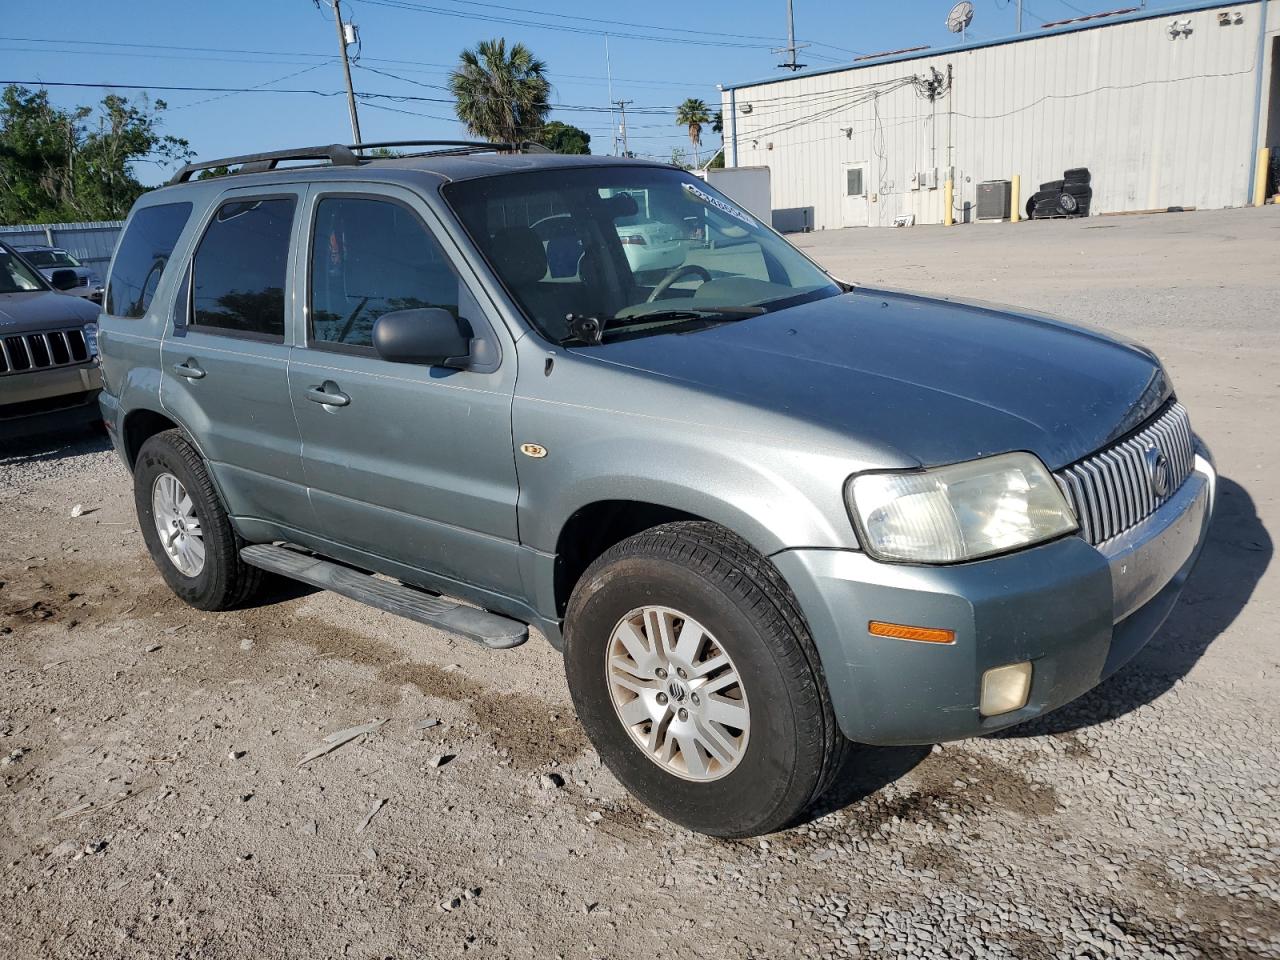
(25,352)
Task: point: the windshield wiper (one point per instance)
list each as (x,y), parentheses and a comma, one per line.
(591,330)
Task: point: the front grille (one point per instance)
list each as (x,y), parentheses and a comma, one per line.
(84,281)
(26,352)
(1112,490)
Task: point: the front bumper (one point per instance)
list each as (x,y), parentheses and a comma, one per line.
(1077,612)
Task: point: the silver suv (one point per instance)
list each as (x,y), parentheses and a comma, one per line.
(64,271)
(762,512)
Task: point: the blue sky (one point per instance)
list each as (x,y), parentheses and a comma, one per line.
(292,44)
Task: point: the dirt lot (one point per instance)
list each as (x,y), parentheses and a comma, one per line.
(153,805)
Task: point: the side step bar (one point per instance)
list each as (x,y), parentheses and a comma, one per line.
(484,627)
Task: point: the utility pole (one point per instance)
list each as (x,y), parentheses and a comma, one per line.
(791,48)
(343,43)
(1018,29)
(622,127)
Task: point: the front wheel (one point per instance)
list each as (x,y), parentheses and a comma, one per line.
(698,683)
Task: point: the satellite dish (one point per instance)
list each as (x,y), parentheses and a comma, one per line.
(960,17)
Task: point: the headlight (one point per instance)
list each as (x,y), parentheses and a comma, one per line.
(960,512)
(91,338)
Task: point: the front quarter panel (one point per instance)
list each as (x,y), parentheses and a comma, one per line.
(615,434)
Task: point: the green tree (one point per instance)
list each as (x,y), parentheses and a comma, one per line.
(77,164)
(564,138)
(500,95)
(693,113)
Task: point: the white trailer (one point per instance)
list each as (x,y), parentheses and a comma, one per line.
(749,187)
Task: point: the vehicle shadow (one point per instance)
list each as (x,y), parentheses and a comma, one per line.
(866,770)
(1237,553)
(52,445)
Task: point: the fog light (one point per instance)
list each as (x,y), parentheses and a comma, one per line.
(1005,689)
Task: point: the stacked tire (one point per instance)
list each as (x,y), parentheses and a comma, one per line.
(1068,197)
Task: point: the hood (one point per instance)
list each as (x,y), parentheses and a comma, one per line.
(38,310)
(938,381)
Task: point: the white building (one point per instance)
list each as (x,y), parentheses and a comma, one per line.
(1166,108)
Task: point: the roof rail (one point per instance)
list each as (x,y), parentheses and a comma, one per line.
(340,155)
(459,146)
(337,155)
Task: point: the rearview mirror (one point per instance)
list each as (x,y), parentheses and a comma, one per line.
(427,335)
(64,279)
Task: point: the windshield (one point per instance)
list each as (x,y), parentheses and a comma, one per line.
(641,250)
(16,276)
(50,258)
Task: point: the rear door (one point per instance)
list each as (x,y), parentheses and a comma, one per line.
(225,360)
(404,461)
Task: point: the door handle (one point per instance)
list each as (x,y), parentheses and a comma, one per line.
(328,394)
(188,368)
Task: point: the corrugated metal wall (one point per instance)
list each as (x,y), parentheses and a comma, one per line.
(1158,121)
(90,243)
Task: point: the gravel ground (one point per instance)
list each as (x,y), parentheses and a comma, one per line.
(154,806)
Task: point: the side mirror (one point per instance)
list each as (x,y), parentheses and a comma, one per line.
(428,335)
(64,279)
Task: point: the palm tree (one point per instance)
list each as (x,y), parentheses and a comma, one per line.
(501,96)
(693,113)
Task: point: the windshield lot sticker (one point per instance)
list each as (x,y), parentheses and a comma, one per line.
(720,205)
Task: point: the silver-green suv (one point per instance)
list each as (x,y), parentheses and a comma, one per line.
(762,512)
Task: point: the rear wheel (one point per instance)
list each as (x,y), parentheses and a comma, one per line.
(185,527)
(696,679)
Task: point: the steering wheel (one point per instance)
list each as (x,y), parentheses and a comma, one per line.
(685,268)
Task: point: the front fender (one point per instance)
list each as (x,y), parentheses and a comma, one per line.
(735,482)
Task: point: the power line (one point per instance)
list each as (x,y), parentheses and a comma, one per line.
(561,27)
(412,66)
(610,25)
(169,88)
(265,83)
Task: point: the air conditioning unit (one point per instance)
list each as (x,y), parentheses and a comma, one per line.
(994,200)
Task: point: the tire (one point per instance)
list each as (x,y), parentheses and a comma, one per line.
(1068,204)
(698,572)
(222,580)
(1079,190)
(1053,186)
(1077,175)
(1031,208)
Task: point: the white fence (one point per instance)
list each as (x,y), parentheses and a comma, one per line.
(90,243)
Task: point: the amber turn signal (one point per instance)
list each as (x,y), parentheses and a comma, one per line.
(902,631)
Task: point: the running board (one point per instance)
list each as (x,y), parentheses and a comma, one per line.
(484,627)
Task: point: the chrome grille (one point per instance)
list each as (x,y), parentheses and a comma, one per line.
(1112,490)
(25,352)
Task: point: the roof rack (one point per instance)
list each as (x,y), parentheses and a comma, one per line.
(459,146)
(347,155)
(335,153)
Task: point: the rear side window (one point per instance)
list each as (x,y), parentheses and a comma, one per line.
(238,273)
(141,258)
(370,257)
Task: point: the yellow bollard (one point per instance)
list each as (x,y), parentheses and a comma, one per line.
(1015,188)
(948,192)
(1260,177)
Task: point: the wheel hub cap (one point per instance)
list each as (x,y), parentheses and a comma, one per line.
(176,522)
(677,693)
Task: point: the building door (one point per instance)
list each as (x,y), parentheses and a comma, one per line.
(855,194)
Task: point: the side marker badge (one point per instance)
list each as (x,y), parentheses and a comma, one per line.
(535,450)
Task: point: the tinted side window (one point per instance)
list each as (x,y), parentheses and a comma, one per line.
(238,274)
(140,260)
(370,257)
